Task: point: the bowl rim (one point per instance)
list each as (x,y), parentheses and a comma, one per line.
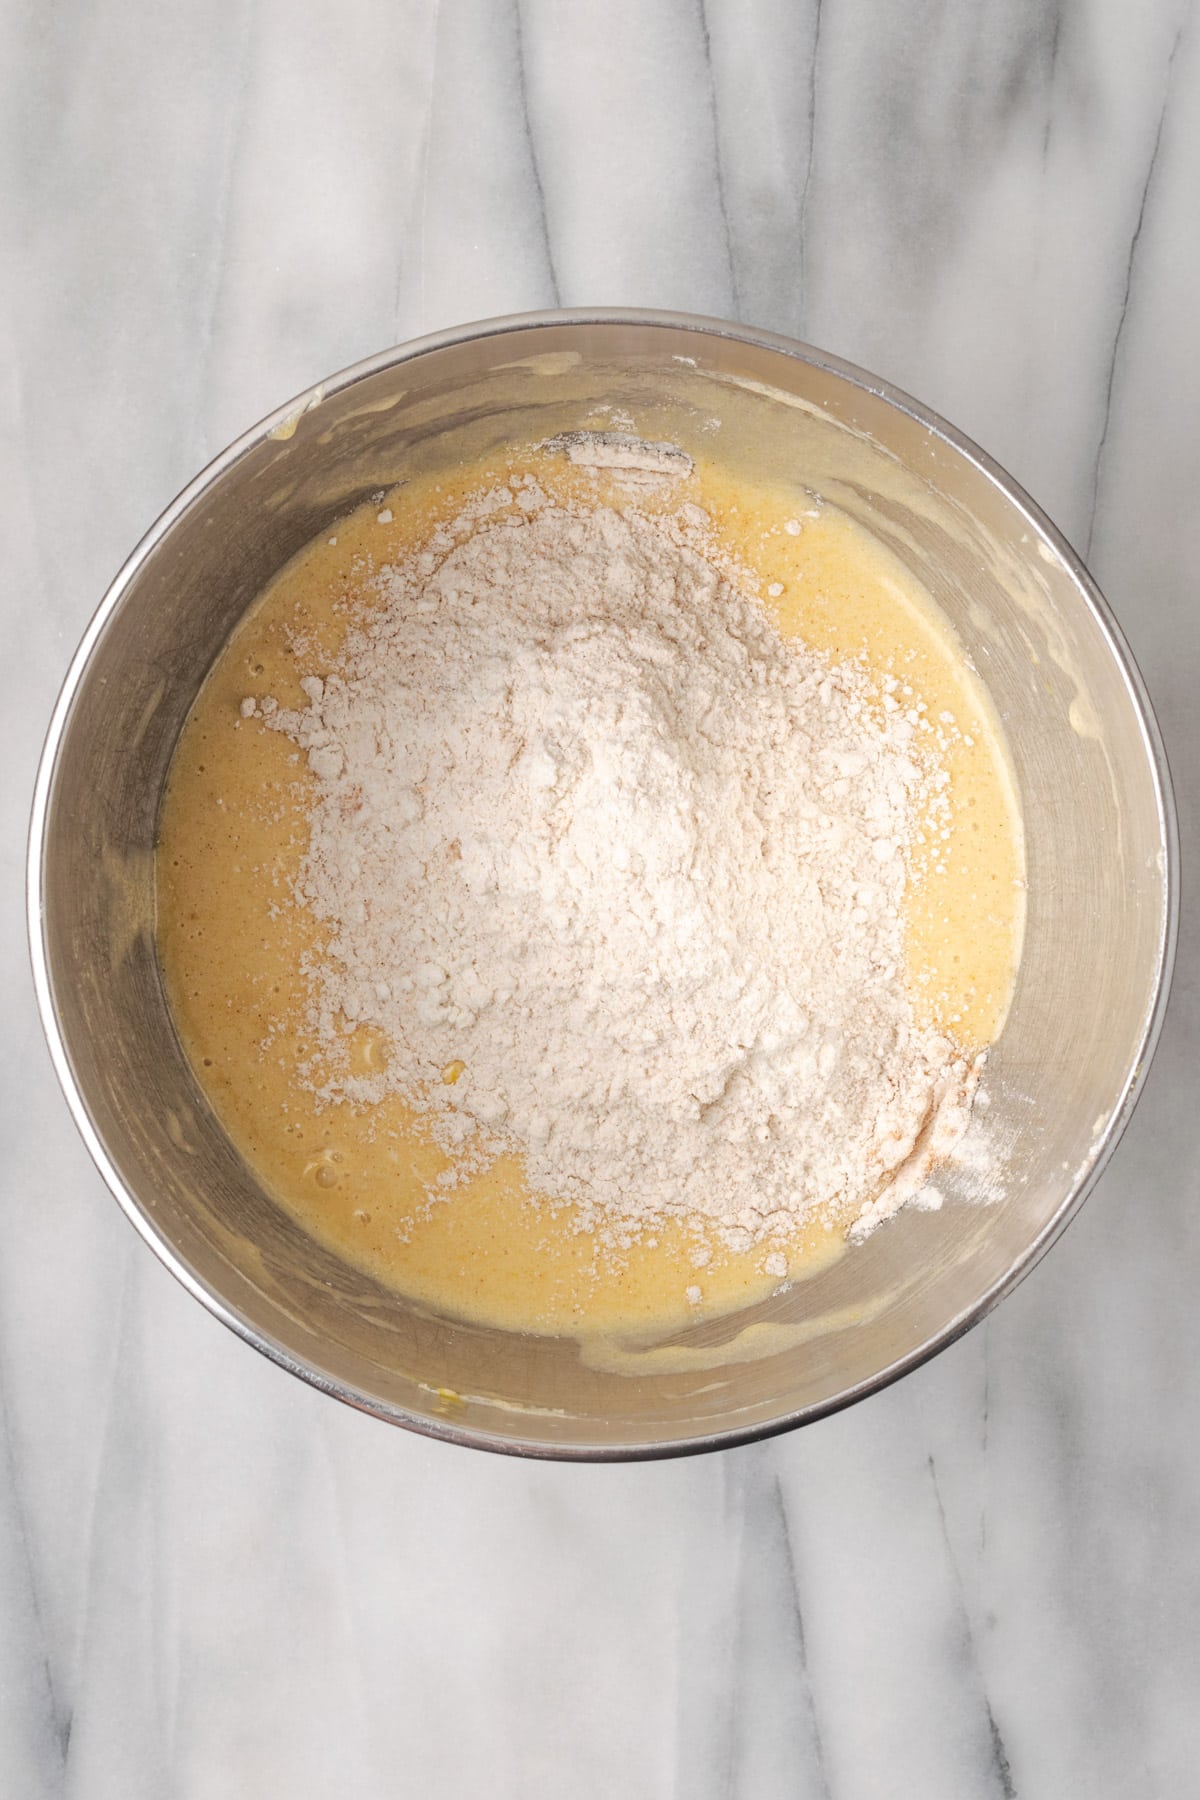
(281,422)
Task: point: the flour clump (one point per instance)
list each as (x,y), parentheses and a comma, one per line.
(589,833)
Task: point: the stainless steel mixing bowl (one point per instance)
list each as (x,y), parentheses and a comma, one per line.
(1102,865)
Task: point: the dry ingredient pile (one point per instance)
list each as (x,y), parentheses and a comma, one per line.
(617,871)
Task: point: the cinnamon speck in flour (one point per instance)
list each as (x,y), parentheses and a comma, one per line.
(589,832)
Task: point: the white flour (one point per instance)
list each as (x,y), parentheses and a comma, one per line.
(618,871)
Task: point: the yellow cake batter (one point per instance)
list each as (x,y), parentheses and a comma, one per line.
(234,829)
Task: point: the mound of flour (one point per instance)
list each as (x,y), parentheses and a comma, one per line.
(618,872)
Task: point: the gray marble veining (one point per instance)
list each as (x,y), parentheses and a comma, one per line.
(215,1583)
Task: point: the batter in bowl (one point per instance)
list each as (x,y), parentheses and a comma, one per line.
(453,876)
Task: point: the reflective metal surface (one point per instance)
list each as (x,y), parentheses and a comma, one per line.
(1101,846)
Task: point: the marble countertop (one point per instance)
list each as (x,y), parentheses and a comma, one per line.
(215,1582)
